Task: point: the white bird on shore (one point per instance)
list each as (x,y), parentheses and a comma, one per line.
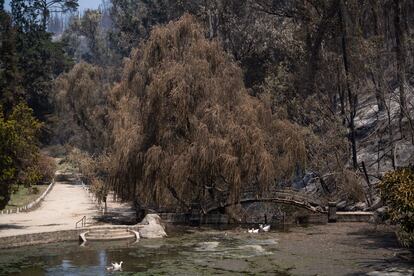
(265,228)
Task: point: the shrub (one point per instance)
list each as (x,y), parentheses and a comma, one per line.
(397,191)
(349,186)
(93,169)
(18,150)
(47,167)
(84,163)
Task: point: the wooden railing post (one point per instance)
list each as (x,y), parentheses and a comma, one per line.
(332,212)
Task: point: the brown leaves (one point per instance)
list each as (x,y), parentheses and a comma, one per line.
(182,105)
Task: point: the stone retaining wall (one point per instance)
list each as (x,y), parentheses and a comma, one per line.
(354,216)
(31,206)
(54,237)
(40,238)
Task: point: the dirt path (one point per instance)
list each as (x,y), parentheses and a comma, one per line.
(66,203)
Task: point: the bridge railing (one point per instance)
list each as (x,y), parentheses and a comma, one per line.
(285,194)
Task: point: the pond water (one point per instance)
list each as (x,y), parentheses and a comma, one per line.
(187,252)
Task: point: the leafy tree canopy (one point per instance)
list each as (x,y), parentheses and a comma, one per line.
(18,151)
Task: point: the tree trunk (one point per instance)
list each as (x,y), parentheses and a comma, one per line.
(379,91)
(314,51)
(341,94)
(352,98)
(400,56)
(390,135)
(45,17)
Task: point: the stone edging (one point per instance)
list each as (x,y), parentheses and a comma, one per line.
(39,238)
(32,205)
(54,237)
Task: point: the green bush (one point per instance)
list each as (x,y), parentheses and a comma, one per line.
(397,191)
(18,151)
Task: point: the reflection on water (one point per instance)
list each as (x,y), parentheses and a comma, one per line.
(201,252)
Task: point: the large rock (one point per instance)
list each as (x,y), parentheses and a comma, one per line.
(376,204)
(151,227)
(356,206)
(381,215)
(341,205)
(404,153)
(359,206)
(307,183)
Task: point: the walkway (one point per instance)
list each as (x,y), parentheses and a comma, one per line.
(65,204)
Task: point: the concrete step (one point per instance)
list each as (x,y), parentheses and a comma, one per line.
(110,238)
(112,233)
(117,232)
(107,235)
(108,231)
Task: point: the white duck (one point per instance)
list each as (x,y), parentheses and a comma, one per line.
(254,231)
(265,228)
(115,267)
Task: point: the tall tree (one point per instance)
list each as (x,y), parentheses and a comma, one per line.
(400,50)
(18,151)
(47,7)
(186,130)
(317,19)
(352,96)
(39,58)
(86,39)
(10,88)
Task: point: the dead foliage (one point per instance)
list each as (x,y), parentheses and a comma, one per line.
(185,128)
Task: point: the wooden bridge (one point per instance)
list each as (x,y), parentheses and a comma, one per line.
(284,196)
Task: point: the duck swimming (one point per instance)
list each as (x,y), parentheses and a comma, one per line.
(115,266)
(265,228)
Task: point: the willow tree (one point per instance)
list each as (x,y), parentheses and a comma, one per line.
(81,107)
(185,129)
